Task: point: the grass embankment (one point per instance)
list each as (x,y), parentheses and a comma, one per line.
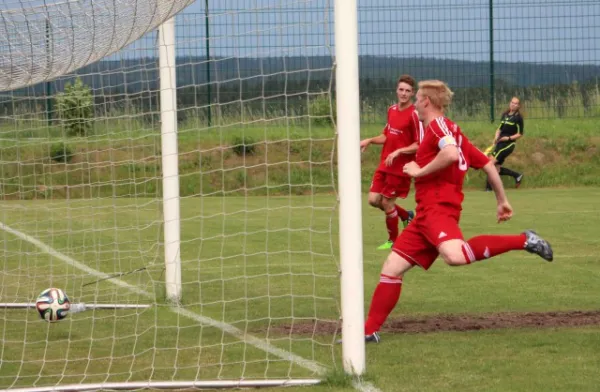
(292,159)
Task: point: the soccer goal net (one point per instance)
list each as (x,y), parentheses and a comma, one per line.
(171,166)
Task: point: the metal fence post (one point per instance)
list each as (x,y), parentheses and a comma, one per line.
(492,87)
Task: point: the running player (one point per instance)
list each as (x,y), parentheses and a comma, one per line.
(399,139)
(509,131)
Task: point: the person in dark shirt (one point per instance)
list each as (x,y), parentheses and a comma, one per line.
(509,131)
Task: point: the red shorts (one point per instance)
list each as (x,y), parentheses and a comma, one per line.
(389,185)
(419,241)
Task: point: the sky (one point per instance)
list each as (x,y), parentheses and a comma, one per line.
(546,31)
(540,31)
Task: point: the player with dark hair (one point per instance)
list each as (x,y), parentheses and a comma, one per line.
(442,160)
(399,139)
(509,131)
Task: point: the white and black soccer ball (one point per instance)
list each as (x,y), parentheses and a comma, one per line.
(53,305)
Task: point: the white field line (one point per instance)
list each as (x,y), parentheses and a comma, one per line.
(230,329)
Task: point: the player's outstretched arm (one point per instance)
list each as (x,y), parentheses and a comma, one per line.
(504,212)
(379,139)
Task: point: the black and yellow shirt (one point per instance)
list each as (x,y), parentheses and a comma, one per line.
(511,124)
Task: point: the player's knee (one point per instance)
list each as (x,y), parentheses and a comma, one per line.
(451,252)
(375,200)
(375,203)
(387,204)
(453,258)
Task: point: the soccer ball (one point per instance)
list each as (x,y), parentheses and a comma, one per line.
(53,305)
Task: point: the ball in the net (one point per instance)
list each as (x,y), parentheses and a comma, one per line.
(53,305)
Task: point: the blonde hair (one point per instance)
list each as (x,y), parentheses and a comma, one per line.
(437,91)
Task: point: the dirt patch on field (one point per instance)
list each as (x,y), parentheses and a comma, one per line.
(495,321)
(460,322)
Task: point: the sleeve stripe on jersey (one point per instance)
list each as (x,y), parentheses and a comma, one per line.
(448,139)
(443,127)
(419,124)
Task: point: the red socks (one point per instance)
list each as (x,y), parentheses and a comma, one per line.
(402,213)
(486,246)
(384,300)
(391,221)
(387,292)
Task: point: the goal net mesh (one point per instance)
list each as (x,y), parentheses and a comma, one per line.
(81,191)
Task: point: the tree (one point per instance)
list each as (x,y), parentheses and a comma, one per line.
(76,108)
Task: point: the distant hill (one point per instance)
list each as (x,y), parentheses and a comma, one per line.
(280,84)
(142,74)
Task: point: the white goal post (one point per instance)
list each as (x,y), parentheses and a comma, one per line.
(348,125)
(194,206)
(170,161)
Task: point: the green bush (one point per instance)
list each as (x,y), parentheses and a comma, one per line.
(243,146)
(61,153)
(76,108)
(321,111)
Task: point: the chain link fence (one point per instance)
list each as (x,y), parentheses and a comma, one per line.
(261,53)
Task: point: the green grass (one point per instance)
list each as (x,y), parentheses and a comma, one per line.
(261,262)
(124,159)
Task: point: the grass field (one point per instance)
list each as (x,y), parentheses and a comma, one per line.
(260,264)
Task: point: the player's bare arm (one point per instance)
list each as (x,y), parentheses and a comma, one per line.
(447,156)
(379,139)
(404,150)
(504,210)
(496,136)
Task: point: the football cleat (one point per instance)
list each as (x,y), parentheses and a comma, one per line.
(537,245)
(411,216)
(373,338)
(386,245)
(518,181)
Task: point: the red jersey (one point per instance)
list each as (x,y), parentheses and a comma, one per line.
(401,130)
(445,186)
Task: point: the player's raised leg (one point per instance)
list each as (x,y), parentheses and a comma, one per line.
(458,252)
(441,228)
